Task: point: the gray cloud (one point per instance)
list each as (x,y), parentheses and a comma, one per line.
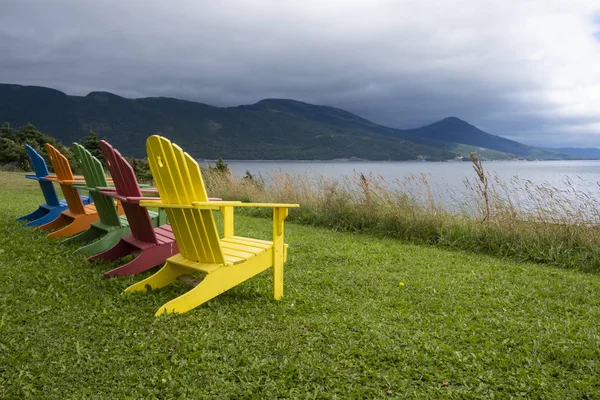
(528,70)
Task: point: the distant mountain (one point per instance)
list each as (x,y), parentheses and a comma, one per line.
(586,152)
(269,129)
(443,133)
(456,130)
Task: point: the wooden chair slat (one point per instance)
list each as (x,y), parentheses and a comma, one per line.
(41,171)
(143,240)
(63,172)
(127,185)
(95,177)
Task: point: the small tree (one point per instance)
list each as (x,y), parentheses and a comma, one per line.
(222,166)
(12,146)
(6,130)
(13,155)
(29,134)
(92,144)
(141,168)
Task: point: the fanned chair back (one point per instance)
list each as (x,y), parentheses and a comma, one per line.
(127,185)
(41,171)
(95,177)
(178,179)
(63,172)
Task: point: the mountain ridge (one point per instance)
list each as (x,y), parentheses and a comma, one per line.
(268,129)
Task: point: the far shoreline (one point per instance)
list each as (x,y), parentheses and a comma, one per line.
(348,161)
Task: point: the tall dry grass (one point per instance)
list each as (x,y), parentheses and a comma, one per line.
(517,219)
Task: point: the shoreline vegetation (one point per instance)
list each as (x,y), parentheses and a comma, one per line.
(360,160)
(517,219)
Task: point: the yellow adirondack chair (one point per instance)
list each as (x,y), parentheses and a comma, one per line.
(226,261)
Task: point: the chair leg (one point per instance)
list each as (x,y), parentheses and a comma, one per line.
(53,213)
(148,258)
(39,213)
(167,274)
(213,285)
(278,282)
(119,250)
(279,251)
(86,236)
(107,241)
(78,225)
(58,223)
(209,288)
(278,259)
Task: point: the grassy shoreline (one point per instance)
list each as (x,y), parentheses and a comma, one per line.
(462,325)
(516,219)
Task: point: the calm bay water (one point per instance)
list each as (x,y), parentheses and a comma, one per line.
(445,178)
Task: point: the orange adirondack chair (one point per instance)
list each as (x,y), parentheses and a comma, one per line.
(226,261)
(78,217)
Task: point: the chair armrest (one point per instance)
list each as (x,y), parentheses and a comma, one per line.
(213,204)
(95,189)
(155,190)
(80,186)
(112,183)
(76,179)
(157,202)
(160,204)
(113,194)
(130,200)
(138,199)
(112,188)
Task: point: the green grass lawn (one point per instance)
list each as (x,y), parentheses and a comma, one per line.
(462,325)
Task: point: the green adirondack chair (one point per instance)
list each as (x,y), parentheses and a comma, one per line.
(108,230)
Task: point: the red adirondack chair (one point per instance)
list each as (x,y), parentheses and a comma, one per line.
(154,244)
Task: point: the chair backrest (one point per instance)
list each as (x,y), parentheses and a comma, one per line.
(37,161)
(126,185)
(95,177)
(178,179)
(63,172)
(41,170)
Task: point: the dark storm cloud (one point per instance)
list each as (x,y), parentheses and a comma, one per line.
(526,70)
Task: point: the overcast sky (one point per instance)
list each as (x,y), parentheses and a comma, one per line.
(526,70)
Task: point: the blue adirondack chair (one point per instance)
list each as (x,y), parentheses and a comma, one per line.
(52,208)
